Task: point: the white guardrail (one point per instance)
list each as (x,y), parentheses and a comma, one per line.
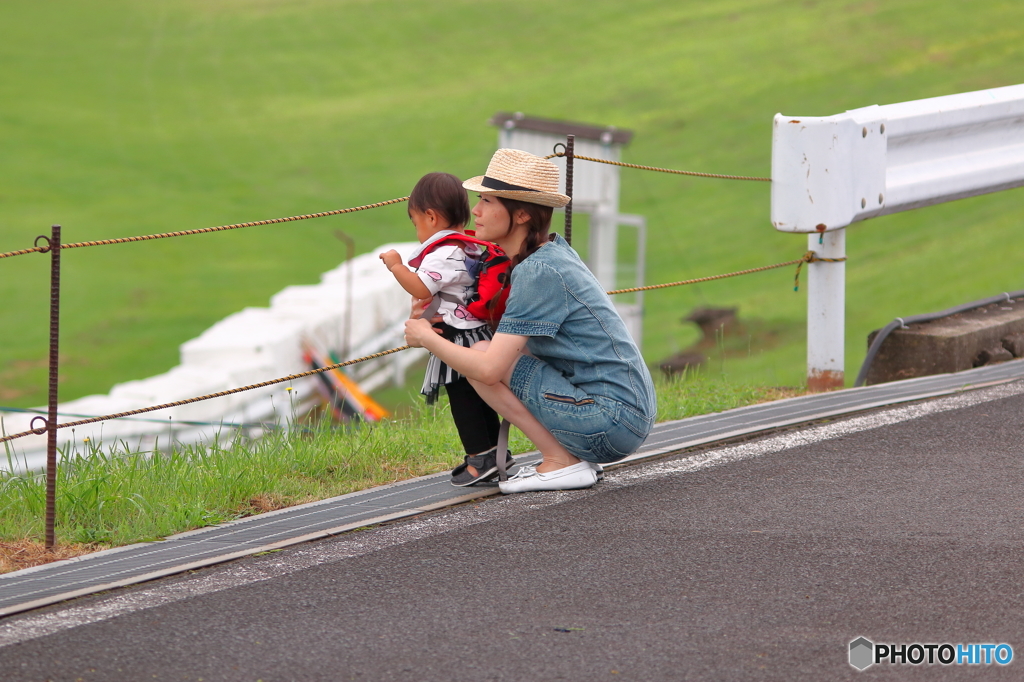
(830,172)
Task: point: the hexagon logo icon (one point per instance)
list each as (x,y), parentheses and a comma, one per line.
(861,653)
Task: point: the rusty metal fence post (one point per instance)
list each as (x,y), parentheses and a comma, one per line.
(350,253)
(570,143)
(51,415)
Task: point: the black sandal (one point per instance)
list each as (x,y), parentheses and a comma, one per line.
(486,465)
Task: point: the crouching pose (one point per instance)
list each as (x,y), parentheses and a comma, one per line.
(561,366)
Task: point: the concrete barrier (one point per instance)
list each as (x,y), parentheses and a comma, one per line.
(247,347)
(993,333)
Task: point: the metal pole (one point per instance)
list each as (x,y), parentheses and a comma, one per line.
(570,143)
(826,307)
(350,245)
(51,418)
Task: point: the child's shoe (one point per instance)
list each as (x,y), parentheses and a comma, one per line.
(486,465)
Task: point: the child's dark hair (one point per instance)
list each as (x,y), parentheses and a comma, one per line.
(444,193)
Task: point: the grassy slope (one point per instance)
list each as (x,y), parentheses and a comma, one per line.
(120,118)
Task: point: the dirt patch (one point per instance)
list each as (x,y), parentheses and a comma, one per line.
(268,502)
(781,393)
(725,336)
(15,556)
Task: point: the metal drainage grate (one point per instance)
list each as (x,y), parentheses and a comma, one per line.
(35,587)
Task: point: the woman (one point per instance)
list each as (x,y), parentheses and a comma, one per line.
(562,367)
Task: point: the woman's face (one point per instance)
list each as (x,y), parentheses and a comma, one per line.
(490,218)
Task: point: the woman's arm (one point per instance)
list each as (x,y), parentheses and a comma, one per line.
(487,366)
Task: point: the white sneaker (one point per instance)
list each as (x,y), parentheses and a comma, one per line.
(598,470)
(573,477)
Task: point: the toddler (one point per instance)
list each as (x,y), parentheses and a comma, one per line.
(445,270)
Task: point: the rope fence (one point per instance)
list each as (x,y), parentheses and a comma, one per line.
(180,422)
(809,257)
(38,431)
(353,209)
(203,230)
(54,245)
(661,170)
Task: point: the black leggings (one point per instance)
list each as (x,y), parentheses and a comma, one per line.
(476,421)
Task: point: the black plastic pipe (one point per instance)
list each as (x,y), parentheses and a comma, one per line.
(928,317)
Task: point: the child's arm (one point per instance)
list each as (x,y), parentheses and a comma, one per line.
(409,280)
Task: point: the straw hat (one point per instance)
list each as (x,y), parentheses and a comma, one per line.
(519,175)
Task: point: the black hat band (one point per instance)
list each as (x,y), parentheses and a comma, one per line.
(491,183)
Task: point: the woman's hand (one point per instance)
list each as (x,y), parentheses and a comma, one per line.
(419,305)
(418,331)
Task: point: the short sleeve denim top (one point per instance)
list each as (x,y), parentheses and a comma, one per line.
(573,326)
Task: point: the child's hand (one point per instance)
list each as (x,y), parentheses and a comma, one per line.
(391,258)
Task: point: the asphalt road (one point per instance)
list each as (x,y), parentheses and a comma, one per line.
(757,561)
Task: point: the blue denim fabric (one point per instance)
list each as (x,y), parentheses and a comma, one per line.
(591,389)
(591,427)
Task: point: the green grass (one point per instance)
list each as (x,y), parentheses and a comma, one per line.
(120,118)
(109,497)
(115,497)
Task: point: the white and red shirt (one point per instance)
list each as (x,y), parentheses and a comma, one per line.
(449,273)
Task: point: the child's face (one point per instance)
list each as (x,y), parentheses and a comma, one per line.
(490,218)
(425,222)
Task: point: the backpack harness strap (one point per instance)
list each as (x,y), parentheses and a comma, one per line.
(501,458)
(455,239)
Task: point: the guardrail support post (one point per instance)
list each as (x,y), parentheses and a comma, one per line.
(826,311)
(51,415)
